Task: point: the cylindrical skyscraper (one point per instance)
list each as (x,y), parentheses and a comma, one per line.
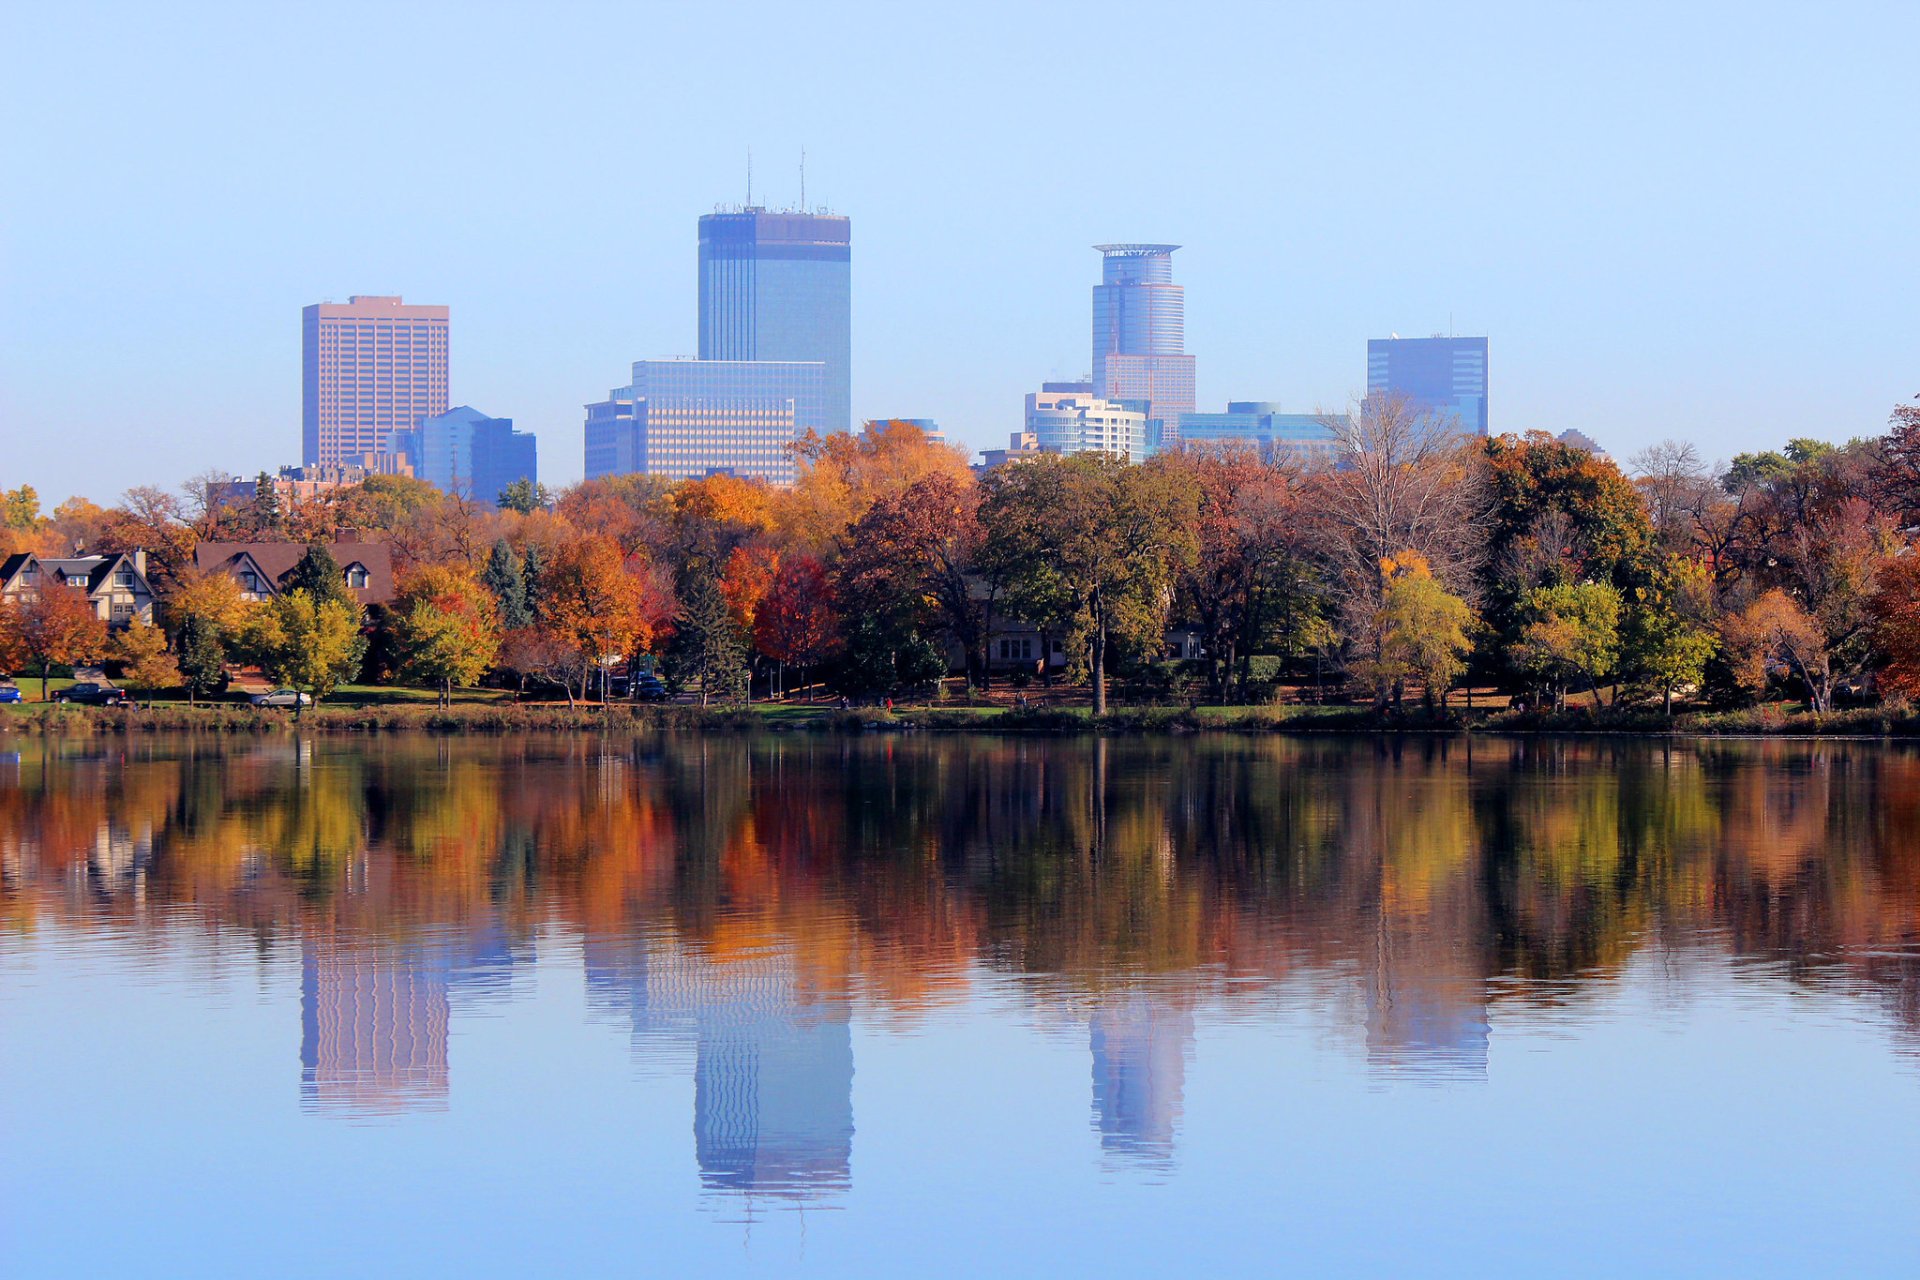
(1139,334)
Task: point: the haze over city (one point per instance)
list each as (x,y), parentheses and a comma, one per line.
(1687,225)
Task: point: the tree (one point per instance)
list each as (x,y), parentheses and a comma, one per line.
(141,649)
(1668,638)
(319,575)
(795,625)
(1424,632)
(1568,631)
(1897,477)
(307,642)
(504,580)
(841,476)
(1895,608)
(55,626)
(200,655)
(1776,629)
(1092,544)
(20,509)
(447,628)
(525,496)
(265,520)
(593,605)
(706,639)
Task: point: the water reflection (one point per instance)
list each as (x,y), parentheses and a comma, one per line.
(744,904)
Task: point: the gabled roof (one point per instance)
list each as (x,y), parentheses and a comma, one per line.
(275,560)
(93,570)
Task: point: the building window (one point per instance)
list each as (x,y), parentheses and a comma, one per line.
(250,580)
(357,576)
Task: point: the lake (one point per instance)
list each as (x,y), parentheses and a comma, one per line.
(793,1004)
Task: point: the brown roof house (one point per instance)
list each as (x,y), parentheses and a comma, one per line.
(115,583)
(261,568)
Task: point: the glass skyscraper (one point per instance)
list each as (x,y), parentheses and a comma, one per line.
(1139,333)
(682,419)
(778,287)
(1444,379)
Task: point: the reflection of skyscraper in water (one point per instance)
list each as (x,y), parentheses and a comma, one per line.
(1425,1020)
(1140,1047)
(773,1064)
(373,1027)
(374,1016)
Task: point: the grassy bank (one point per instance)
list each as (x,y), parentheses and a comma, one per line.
(506,717)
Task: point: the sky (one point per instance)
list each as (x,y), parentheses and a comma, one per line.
(1690,221)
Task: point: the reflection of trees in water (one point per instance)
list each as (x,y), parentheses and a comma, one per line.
(1443,876)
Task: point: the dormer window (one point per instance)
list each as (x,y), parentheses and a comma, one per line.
(250,580)
(357,576)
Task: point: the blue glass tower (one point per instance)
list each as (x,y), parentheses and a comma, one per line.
(1444,379)
(778,287)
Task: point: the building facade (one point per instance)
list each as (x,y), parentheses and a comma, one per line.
(1443,379)
(1072,422)
(1260,423)
(115,584)
(1140,333)
(369,366)
(682,419)
(778,287)
(465,452)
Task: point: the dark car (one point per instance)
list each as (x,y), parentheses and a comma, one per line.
(647,688)
(93,695)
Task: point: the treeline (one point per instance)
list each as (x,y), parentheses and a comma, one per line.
(1402,566)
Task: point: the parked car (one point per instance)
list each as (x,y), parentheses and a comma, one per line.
(89,694)
(9,691)
(648,688)
(282,698)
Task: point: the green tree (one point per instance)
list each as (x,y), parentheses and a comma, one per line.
(200,655)
(1569,631)
(20,509)
(524,496)
(307,642)
(508,587)
(141,649)
(1092,544)
(319,575)
(706,643)
(1424,631)
(264,515)
(533,579)
(447,629)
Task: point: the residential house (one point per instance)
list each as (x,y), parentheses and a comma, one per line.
(262,568)
(115,583)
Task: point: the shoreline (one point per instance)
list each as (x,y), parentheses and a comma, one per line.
(1876,723)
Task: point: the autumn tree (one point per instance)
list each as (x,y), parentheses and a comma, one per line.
(596,608)
(1895,608)
(1093,544)
(307,642)
(842,475)
(1776,629)
(795,624)
(1568,631)
(447,628)
(141,650)
(1425,633)
(54,626)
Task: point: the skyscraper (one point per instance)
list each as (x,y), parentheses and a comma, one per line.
(778,287)
(369,367)
(1443,379)
(463,451)
(1139,333)
(682,419)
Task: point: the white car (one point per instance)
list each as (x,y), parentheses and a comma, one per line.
(282,698)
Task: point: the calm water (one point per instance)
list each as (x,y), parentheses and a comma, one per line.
(884,1007)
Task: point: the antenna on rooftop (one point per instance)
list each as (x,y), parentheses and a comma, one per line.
(803,179)
(749,177)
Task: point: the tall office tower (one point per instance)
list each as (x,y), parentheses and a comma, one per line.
(465,452)
(369,366)
(682,419)
(1444,379)
(1140,333)
(373,1026)
(1140,1045)
(778,286)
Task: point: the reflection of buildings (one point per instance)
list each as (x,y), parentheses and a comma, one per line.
(373,1017)
(773,1065)
(1140,1050)
(1427,1021)
(373,1027)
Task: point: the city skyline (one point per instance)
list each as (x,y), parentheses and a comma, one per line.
(1717,312)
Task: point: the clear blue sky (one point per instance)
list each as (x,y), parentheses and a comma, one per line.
(1699,221)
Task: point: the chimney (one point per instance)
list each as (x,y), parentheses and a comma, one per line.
(140,561)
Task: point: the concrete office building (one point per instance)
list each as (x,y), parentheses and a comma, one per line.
(369,367)
(465,452)
(778,287)
(1443,379)
(1139,333)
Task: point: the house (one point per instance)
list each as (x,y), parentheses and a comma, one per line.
(115,583)
(261,568)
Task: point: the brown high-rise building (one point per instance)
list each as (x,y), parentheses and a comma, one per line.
(369,367)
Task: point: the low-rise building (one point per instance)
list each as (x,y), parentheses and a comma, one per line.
(1260,423)
(115,583)
(1075,422)
(262,568)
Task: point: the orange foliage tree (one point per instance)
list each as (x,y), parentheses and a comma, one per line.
(53,626)
(599,608)
(1895,607)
